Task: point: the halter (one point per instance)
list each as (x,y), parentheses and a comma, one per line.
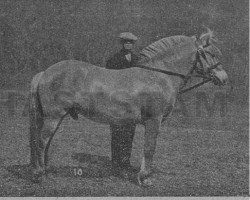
(200,71)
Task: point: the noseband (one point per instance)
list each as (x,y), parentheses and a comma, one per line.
(200,71)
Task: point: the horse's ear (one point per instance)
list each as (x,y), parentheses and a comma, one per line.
(208,38)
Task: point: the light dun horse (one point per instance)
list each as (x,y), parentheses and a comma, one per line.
(136,95)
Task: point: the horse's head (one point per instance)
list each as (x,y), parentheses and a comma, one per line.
(206,62)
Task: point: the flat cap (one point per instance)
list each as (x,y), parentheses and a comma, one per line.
(128,36)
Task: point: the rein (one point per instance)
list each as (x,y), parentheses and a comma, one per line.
(162,71)
(178,75)
(194,86)
(199,53)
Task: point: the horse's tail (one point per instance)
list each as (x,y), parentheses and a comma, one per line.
(35,115)
(35,106)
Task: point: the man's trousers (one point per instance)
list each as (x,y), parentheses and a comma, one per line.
(121,144)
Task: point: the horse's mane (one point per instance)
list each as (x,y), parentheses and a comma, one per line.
(170,49)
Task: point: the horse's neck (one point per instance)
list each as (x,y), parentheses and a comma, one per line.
(181,67)
(178,62)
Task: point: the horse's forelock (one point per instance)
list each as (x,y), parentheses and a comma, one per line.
(208,34)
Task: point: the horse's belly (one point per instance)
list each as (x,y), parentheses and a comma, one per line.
(112,113)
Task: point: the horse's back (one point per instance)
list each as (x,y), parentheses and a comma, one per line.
(66,75)
(68,67)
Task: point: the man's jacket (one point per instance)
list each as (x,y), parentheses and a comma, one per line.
(119,60)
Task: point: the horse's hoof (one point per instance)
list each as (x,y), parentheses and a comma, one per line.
(37,174)
(144,180)
(36,178)
(147,182)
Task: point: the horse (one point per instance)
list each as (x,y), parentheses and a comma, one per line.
(144,94)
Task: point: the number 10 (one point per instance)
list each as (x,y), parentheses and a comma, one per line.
(77,172)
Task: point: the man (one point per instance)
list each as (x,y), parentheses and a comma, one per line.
(125,58)
(122,135)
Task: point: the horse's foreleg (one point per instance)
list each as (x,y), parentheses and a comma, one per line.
(152,127)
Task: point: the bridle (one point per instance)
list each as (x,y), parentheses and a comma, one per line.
(207,76)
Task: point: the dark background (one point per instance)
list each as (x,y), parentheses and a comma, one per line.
(36,34)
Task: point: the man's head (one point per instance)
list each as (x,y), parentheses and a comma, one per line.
(127,40)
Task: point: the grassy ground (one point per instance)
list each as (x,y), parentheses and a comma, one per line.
(194,157)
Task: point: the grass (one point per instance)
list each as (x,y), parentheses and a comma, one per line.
(189,161)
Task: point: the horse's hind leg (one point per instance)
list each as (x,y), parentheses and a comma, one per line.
(48,131)
(55,124)
(36,125)
(41,133)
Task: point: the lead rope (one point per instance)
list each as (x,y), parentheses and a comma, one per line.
(185,78)
(195,86)
(161,71)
